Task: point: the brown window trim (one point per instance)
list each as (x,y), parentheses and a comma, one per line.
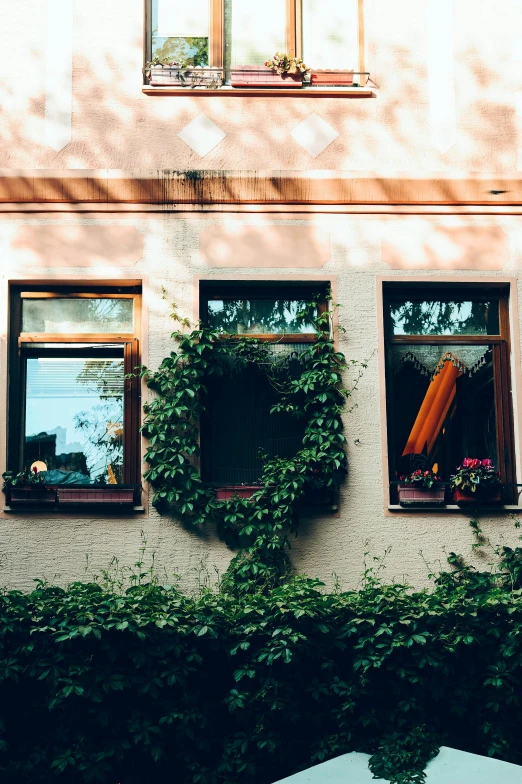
(216,289)
(217,39)
(131,348)
(501,358)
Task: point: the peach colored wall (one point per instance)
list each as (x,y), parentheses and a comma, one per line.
(115,125)
(56,548)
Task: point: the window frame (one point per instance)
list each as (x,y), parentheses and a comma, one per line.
(20,341)
(501,345)
(260,290)
(216,48)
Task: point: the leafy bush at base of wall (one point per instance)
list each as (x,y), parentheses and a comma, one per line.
(152,685)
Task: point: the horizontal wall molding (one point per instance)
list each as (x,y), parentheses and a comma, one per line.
(207,187)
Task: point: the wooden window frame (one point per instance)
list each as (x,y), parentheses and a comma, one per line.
(131,354)
(501,345)
(259,290)
(294,37)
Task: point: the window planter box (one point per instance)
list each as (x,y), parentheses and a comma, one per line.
(261,76)
(327,78)
(410,495)
(31,496)
(236,491)
(161,76)
(477,499)
(111,494)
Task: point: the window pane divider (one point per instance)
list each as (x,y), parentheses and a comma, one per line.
(83,337)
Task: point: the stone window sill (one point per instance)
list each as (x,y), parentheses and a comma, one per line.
(304,92)
(492,509)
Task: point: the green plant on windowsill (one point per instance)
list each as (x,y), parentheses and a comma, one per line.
(475,476)
(282,63)
(419,478)
(22,479)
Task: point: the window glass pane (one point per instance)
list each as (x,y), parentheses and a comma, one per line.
(74,419)
(254,31)
(443,406)
(77,315)
(238,428)
(180,31)
(432,317)
(250,316)
(331,34)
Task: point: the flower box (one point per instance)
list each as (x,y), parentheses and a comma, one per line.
(31,496)
(236,491)
(492,496)
(410,495)
(261,76)
(108,494)
(331,78)
(174,76)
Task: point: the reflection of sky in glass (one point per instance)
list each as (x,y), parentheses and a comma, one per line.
(77,315)
(444,318)
(63,393)
(179,49)
(261,316)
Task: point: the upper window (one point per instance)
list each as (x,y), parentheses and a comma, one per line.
(73,416)
(448,382)
(327,34)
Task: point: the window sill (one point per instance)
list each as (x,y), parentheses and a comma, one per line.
(303,92)
(74,509)
(73,498)
(454,509)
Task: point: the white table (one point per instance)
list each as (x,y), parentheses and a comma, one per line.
(450,766)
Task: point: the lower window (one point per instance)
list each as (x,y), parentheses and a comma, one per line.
(73,414)
(238,432)
(448,382)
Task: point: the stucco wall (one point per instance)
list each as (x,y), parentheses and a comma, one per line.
(57,547)
(115,125)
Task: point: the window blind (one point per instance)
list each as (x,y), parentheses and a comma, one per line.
(331,33)
(258,30)
(177,19)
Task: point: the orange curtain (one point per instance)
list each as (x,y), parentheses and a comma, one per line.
(433,411)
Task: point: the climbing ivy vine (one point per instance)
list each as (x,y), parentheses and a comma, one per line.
(309,384)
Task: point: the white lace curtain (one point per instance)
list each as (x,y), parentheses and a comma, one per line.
(429,360)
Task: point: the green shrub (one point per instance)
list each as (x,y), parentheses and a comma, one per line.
(149,684)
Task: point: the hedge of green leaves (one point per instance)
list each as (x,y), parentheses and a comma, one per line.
(148,684)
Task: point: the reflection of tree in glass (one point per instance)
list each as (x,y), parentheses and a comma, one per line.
(186,51)
(439,318)
(104,377)
(291,316)
(102,429)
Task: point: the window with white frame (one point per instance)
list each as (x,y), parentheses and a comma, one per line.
(327,34)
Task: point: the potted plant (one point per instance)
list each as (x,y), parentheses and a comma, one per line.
(476,482)
(282,70)
(27,488)
(421,488)
(170,73)
(331,78)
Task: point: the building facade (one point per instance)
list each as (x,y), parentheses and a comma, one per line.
(122,192)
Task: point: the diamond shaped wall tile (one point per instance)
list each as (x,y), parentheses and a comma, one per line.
(314,134)
(202,135)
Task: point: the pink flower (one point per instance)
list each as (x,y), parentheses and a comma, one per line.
(487,463)
(471,462)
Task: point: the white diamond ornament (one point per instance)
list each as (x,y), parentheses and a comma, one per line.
(314,134)
(202,135)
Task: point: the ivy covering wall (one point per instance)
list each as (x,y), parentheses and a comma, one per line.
(100,683)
